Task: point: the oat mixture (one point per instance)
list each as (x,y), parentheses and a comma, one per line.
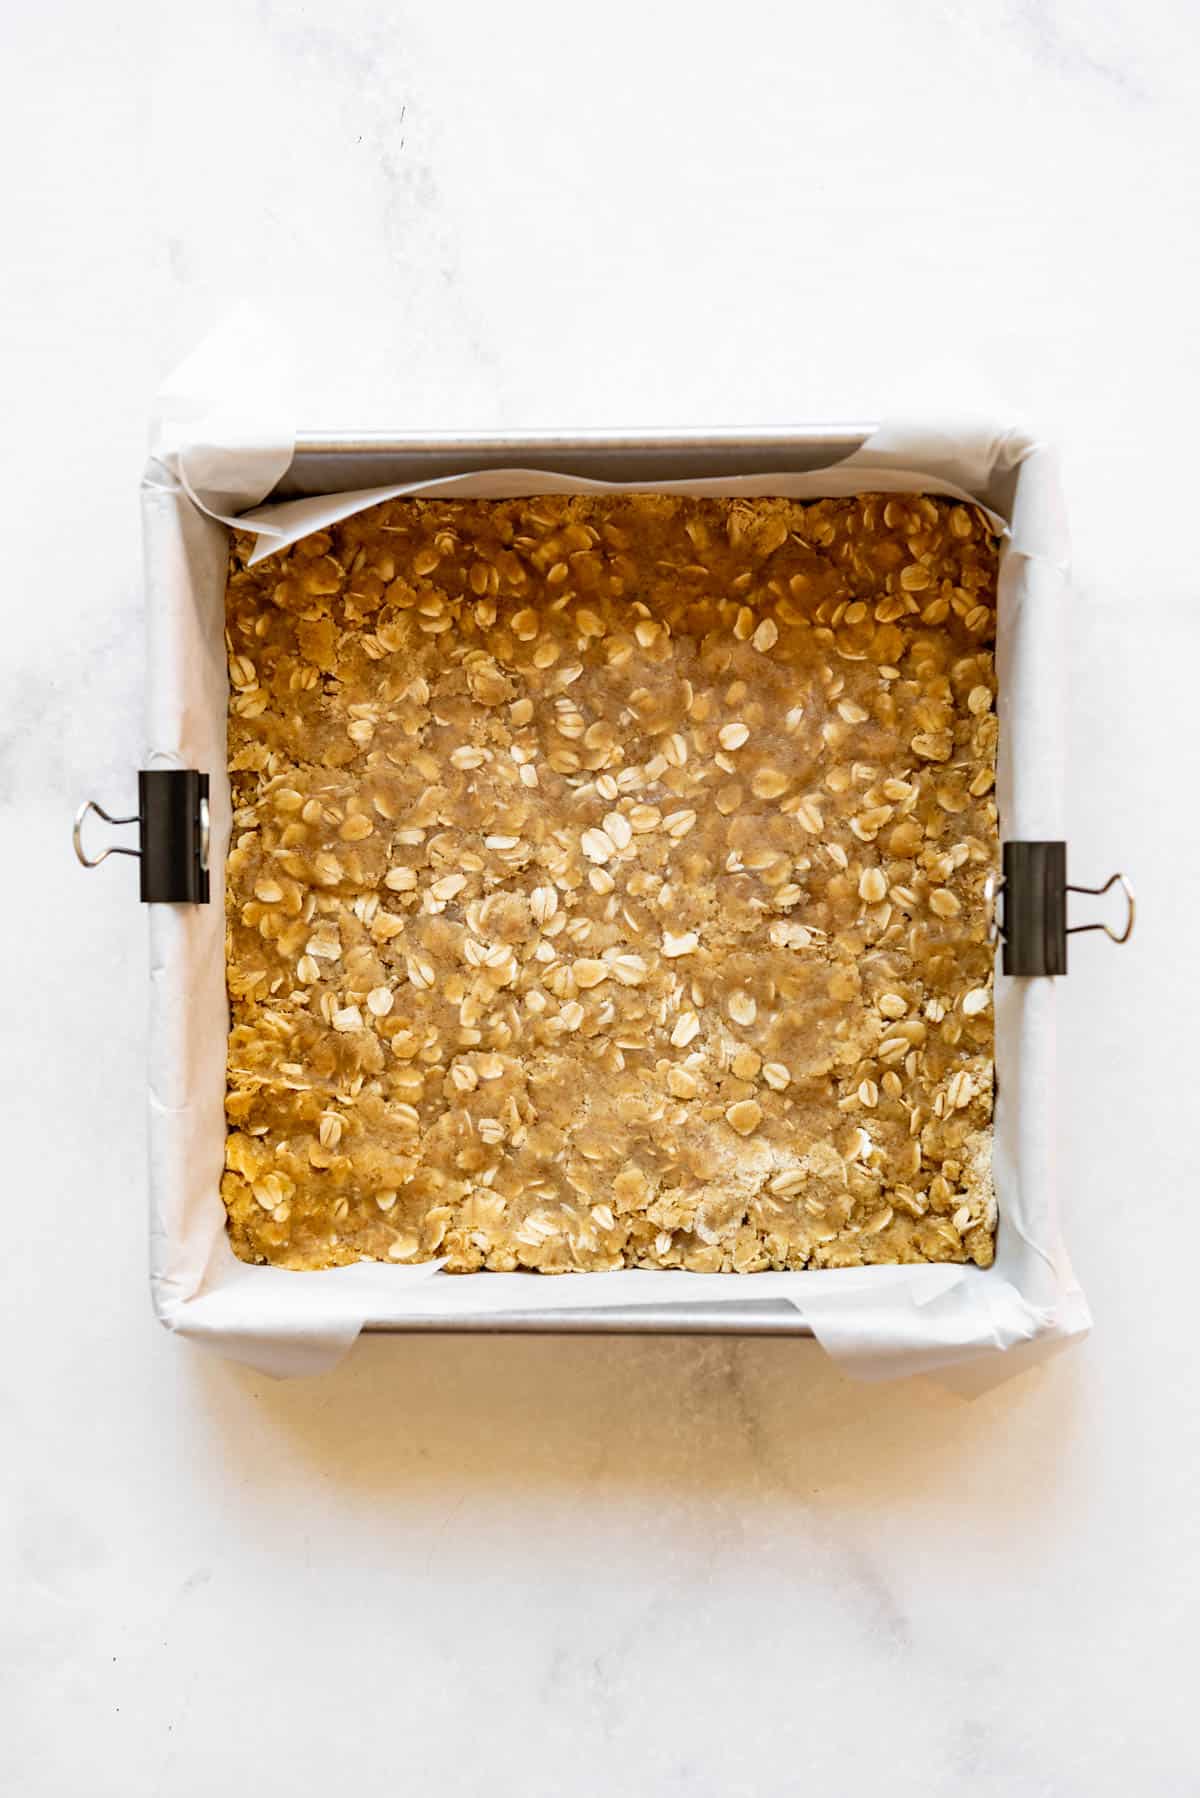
(606,886)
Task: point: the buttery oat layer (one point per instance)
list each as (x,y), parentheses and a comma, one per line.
(606,886)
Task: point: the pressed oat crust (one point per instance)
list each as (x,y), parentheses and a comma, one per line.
(607,886)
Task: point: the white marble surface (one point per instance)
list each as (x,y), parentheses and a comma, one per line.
(519,1567)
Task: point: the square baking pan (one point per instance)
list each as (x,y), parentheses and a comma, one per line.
(290,1320)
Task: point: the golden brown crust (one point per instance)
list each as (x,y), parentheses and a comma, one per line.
(606,885)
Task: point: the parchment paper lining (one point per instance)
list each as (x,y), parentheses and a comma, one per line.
(877,1322)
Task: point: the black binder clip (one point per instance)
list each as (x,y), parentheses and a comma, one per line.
(1034,929)
(173,836)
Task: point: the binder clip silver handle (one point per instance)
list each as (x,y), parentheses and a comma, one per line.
(1130,914)
(93,861)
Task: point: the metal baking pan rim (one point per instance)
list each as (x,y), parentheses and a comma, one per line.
(753,1317)
(329,461)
